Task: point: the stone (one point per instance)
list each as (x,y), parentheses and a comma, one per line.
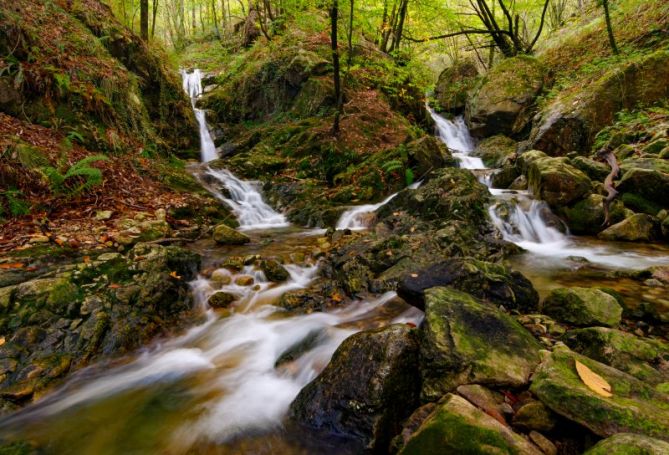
(465,341)
(629,444)
(221,299)
(634,406)
(644,358)
(546,446)
(488,281)
(453,84)
(274,271)
(103,215)
(583,307)
(555,181)
(427,153)
(594,169)
(244,280)
(649,184)
(456,426)
(587,215)
(369,387)
(495,150)
(502,103)
(492,403)
(225,235)
(636,228)
(534,415)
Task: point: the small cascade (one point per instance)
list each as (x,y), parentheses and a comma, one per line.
(358,218)
(246,202)
(192,85)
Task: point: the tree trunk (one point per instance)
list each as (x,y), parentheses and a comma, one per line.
(397,38)
(144,19)
(350,34)
(213,7)
(609,27)
(334,12)
(153,22)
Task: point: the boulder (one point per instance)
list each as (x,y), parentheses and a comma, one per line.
(426,154)
(369,387)
(456,426)
(555,181)
(583,307)
(649,184)
(453,84)
(274,271)
(221,299)
(495,150)
(634,406)
(637,228)
(644,358)
(225,235)
(594,169)
(464,341)
(503,101)
(491,282)
(587,215)
(629,444)
(534,415)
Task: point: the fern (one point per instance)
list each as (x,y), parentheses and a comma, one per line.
(16,205)
(87,175)
(392,165)
(408,176)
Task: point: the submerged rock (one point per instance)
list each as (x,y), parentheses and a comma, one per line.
(637,228)
(629,444)
(368,388)
(456,426)
(464,341)
(221,300)
(495,283)
(583,307)
(225,235)
(633,407)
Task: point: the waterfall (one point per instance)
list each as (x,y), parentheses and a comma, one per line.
(192,85)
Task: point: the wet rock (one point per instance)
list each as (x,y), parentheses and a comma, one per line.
(456,426)
(506,176)
(503,101)
(629,444)
(367,389)
(594,169)
(555,181)
(582,307)
(541,441)
(633,407)
(644,358)
(274,271)
(587,215)
(465,341)
(495,150)
(244,280)
(426,154)
(534,415)
(649,184)
(453,84)
(636,228)
(225,235)
(491,402)
(221,300)
(494,283)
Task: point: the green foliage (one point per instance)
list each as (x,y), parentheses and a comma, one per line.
(11,203)
(80,172)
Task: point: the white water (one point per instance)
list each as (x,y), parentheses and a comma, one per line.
(357,218)
(525,225)
(192,85)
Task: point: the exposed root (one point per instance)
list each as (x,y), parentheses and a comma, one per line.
(610,158)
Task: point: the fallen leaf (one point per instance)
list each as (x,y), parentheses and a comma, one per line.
(87,259)
(114,286)
(12,265)
(595,382)
(174,275)
(414,275)
(336,297)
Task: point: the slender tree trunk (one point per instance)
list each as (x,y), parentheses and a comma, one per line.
(153,21)
(144,19)
(213,8)
(350,34)
(334,12)
(397,38)
(609,27)
(193,19)
(384,23)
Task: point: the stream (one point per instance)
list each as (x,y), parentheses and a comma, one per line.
(225,385)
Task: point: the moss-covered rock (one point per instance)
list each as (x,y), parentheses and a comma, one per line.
(629,444)
(534,415)
(453,84)
(221,299)
(650,184)
(426,154)
(274,271)
(456,426)
(466,341)
(637,228)
(587,215)
(555,181)
(225,235)
(633,407)
(644,358)
(594,169)
(503,101)
(582,307)
(495,150)
(367,389)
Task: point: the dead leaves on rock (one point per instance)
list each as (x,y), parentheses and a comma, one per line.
(595,382)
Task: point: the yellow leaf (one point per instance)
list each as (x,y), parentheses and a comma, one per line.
(595,382)
(174,275)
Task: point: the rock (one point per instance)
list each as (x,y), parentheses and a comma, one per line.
(103,215)
(426,154)
(492,403)
(465,341)
(546,446)
(583,307)
(367,389)
(503,101)
(453,84)
(594,169)
(225,235)
(274,271)
(649,184)
(644,358)
(244,280)
(458,427)
(555,181)
(495,283)
(637,228)
(534,415)
(495,150)
(633,407)
(506,176)
(587,215)
(221,299)
(629,444)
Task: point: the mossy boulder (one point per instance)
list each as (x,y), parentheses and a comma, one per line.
(629,444)
(426,154)
(274,271)
(534,415)
(491,282)
(644,358)
(225,235)
(221,299)
(594,169)
(639,227)
(368,388)
(634,406)
(464,341)
(582,307)
(587,215)
(650,184)
(453,84)
(495,150)
(555,181)
(503,101)
(457,426)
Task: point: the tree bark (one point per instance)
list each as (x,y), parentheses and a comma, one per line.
(334,12)
(153,22)
(144,19)
(350,34)
(609,27)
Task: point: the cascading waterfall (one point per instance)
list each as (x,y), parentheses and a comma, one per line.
(192,84)
(523,222)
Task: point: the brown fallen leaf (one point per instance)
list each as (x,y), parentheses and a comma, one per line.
(595,382)
(114,286)
(12,265)
(174,275)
